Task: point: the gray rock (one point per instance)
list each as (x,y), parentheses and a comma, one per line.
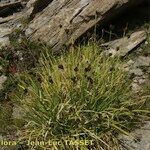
(4,31)
(18,112)
(140,79)
(136,87)
(138,140)
(4,39)
(136,71)
(142,61)
(130,62)
(146,43)
(2,80)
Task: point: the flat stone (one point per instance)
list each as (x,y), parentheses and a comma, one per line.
(138,140)
(142,61)
(140,80)
(4,31)
(136,71)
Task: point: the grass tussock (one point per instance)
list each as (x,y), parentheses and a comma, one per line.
(80,95)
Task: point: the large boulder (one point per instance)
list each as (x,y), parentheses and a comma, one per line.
(62,22)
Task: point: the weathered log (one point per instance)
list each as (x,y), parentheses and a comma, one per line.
(35,6)
(63,21)
(7,8)
(123,46)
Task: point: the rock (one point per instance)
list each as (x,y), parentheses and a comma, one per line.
(139,50)
(8,25)
(4,39)
(142,61)
(136,71)
(130,62)
(138,140)
(135,87)
(62,22)
(2,80)
(123,46)
(127,66)
(140,79)
(4,31)
(18,113)
(146,43)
